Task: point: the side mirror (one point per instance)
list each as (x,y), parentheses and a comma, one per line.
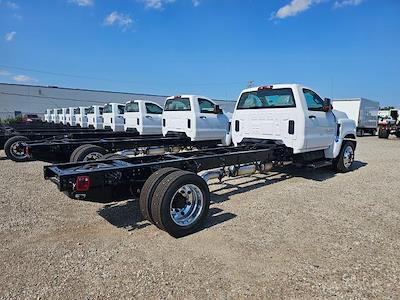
(217,109)
(327,105)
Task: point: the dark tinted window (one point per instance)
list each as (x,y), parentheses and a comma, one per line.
(153,109)
(77,111)
(59,111)
(67,111)
(101,110)
(267,98)
(121,109)
(107,109)
(206,106)
(314,102)
(177,104)
(132,107)
(89,110)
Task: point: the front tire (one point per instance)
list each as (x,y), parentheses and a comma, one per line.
(180,203)
(343,162)
(383,133)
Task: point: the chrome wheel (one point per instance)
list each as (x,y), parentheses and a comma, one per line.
(17,149)
(187,205)
(348,156)
(93,156)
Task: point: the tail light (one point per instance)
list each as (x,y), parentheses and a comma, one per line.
(163,122)
(189,123)
(82,183)
(137,121)
(27,151)
(111,120)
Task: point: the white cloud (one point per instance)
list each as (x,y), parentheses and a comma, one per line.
(4,73)
(24,78)
(10,4)
(119,19)
(156,4)
(10,36)
(196,3)
(343,3)
(83,2)
(293,8)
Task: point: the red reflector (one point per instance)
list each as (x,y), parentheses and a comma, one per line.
(82,183)
(265,87)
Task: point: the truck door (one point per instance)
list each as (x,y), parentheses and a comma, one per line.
(320,129)
(152,118)
(209,124)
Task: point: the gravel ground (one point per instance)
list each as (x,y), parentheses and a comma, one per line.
(294,234)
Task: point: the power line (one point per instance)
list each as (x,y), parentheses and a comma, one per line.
(109,79)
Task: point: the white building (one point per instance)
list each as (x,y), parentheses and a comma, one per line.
(19,98)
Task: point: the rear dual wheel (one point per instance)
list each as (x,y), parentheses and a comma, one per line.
(87,153)
(175,201)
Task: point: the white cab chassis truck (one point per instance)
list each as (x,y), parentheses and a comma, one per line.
(56,117)
(95,116)
(63,116)
(143,116)
(196,117)
(113,116)
(70,118)
(47,115)
(272,126)
(363,111)
(81,119)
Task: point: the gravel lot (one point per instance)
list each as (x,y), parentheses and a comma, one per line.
(295,234)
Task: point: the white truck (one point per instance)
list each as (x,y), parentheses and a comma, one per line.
(363,111)
(55,117)
(81,119)
(113,116)
(63,116)
(196,117)
(47,115)
(70,118)
(95,116)
(272,126)
(143,116)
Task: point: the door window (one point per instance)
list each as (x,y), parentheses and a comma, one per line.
(206,106)
(267,98)
(314,102)
(177,104)
(132,107)
(152,108)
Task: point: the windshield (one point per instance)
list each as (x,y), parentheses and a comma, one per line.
(132,107)
(268,98)
(177,104)
(107,108)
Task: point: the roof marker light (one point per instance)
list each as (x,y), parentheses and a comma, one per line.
(265,87)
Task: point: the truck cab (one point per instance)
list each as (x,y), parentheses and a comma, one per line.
(80,114)
(196,117)
(293,115)
(70,118)
(143,116)
(47,115)
(57,115)
(63,116)
(113,116)
(95,116)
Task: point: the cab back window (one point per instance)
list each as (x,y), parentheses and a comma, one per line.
(107,108)
(132,107)
(77,111)
(177,104)
(267,98)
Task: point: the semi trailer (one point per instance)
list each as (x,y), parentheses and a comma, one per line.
(363,111)
(272,126)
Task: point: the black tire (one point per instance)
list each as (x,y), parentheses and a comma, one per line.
(341,163)
(84,153)
(148,189)
(13,148)
(383,133)
(163,199)
(73,154)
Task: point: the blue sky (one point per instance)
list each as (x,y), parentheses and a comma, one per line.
(343,48)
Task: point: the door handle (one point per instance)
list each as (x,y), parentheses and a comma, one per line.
(312,117)
(203,117)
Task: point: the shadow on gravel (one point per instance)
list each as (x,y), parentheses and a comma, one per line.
(4,158)
(259,181)
(127,216)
